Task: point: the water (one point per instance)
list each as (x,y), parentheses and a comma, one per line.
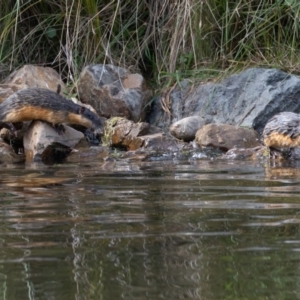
(161,229)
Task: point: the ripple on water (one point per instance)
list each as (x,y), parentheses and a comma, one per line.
(199,229)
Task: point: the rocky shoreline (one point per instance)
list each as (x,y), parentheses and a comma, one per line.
(224,119)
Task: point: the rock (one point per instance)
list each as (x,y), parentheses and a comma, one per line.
(225,137)
(248,99)
(15,139)
(186,128)
(113,91)
(40,135)
(7,154)
(162,142)
(259,152)
(169,107)
(30,76)
(55,153)
(123,133)
(88,154)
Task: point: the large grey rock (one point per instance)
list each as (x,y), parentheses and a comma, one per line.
(114,91)
(248,99)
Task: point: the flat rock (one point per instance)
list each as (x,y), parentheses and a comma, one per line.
(40,135)
(225,137)
(186,128)
(114,91)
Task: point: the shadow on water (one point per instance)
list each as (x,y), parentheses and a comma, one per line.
(203,229)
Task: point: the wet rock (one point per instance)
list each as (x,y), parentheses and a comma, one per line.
(55,153)
(247,99)
(225,137)
(162,142)
(40,135)
(186,128)
(135,156)
(113,91)
(15,139)
(284,154)
(7,154)
(259,152)
(34,76)
(87,154)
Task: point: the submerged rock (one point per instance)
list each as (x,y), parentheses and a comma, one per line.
(87,154)
(55,153)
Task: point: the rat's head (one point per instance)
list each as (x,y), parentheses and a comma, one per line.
(91,120)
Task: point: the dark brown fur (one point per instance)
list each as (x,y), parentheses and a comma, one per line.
(45,105)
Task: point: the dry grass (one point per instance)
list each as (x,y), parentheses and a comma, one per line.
(167,40)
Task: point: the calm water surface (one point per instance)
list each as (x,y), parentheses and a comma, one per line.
(161,229)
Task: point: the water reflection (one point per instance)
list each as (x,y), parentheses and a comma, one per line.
(199,229)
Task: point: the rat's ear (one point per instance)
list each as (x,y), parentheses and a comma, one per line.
(81,110)
(58,89)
